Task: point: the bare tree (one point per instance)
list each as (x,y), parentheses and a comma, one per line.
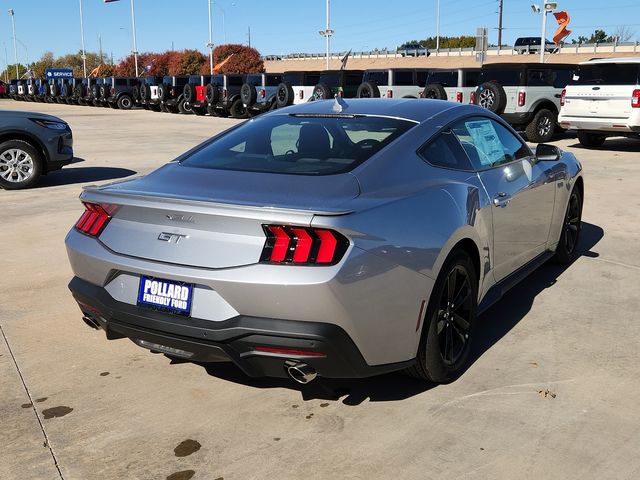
(623,33)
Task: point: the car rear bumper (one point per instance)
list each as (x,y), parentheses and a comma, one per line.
(325,347)
(595,124)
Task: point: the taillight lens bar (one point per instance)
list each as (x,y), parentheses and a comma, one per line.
(263,93)
(472,98)
(302,245)
(562,96)
(635,99)
(522,98)
(459,97)
(95,218)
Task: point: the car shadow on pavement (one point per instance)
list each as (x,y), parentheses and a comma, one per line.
(500,318)
(71,175)
(617,144)
(495,324)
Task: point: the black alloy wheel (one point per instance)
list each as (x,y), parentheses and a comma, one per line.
(567,249)
(454,315)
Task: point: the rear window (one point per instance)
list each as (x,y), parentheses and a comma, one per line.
(311,79)
(121,82)
(446,79)
(380,78)
(254,79)
(181,81)
(217,79)
(299,145)
(607,74)
(506,77)
(353,79)
(167,80)
(403,78)
(331,79)
(421,78)
(234,81)
(194,79)
(471,79)
(273,80)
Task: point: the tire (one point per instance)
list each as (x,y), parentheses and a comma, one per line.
(238,110)
(189,92)
(125,102)
(135,92)
(212,93)
(458,335)
(13,151)
(94,92)
(54,90)
(104,93)
(163,90)
(79,91)
(185,107)
(248,94)
(435,91)
(591,140)
(284,95)
(322,92)
(199,111)
(542,126)
(491,96)
(368,90)
(145,92)
(214,112)
(567,249)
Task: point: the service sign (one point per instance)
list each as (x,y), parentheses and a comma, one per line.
(59,73)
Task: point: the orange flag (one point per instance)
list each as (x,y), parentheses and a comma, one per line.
(218,66)
(563,19)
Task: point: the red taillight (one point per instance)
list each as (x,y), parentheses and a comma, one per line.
(522,98)
(113,91)
(263,93)
(172,92)
(301,94)
(95,218)
(389,93)
(224,93)
(303,245)
(562,95)
(635,99)
(289,351)
(459,97)
(472,97)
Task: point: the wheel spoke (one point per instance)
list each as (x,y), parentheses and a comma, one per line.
(460,322)
(463,294)
(451,285)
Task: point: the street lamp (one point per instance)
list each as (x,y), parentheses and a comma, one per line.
(547,7)
(210,44)
(84,55)
(133,32)
(327,32)
(15,47)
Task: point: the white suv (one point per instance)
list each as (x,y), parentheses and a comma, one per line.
(296,87)
(393,83)
(455,85)
(603,100)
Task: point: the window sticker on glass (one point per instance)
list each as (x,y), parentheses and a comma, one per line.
(486,141)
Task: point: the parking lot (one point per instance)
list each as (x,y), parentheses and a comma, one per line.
(552,392)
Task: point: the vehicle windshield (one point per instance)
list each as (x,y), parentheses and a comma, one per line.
(299,145)
(607,74)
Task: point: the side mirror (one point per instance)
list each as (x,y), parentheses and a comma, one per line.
(546,152)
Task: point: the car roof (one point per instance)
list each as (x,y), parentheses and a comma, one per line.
(417,110)
(595,61)
(489,66)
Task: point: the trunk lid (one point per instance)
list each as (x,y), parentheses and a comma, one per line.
(212,218)
(606,101)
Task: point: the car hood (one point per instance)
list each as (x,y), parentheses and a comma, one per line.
(328,193)
(12,114)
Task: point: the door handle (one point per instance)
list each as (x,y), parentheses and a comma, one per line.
(501,199)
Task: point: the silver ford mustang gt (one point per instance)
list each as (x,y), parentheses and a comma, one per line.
(333,238)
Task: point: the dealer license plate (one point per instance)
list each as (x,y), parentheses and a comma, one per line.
(165,295)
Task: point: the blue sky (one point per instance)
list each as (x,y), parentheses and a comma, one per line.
(281,26)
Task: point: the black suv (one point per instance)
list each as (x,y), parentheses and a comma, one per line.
(527,95)
(149,92)
(121,90)
(194,94)
(170,94)
(225,99)
(393,83)
(343,83)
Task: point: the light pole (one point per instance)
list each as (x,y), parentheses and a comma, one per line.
(438,27)
(15,47)
(133,32)
(327,32)
(84,55)
(547,7)
(210,44)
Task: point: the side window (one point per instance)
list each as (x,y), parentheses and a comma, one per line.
(445,151)
(403,78)
(561,78)
(421,78)
(489,144)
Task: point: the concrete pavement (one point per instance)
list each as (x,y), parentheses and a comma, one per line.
(553,392)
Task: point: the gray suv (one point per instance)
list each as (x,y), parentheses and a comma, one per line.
(527,95)
(31,144)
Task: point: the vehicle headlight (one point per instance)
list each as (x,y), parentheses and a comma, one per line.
(50,124)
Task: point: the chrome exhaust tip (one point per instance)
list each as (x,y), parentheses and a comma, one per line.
(91,322)
(300,372)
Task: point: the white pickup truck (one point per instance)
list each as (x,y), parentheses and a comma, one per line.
(603,100)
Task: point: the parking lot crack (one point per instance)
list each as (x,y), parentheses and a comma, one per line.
(47,443)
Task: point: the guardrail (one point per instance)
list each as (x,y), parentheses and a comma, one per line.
(613,47)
